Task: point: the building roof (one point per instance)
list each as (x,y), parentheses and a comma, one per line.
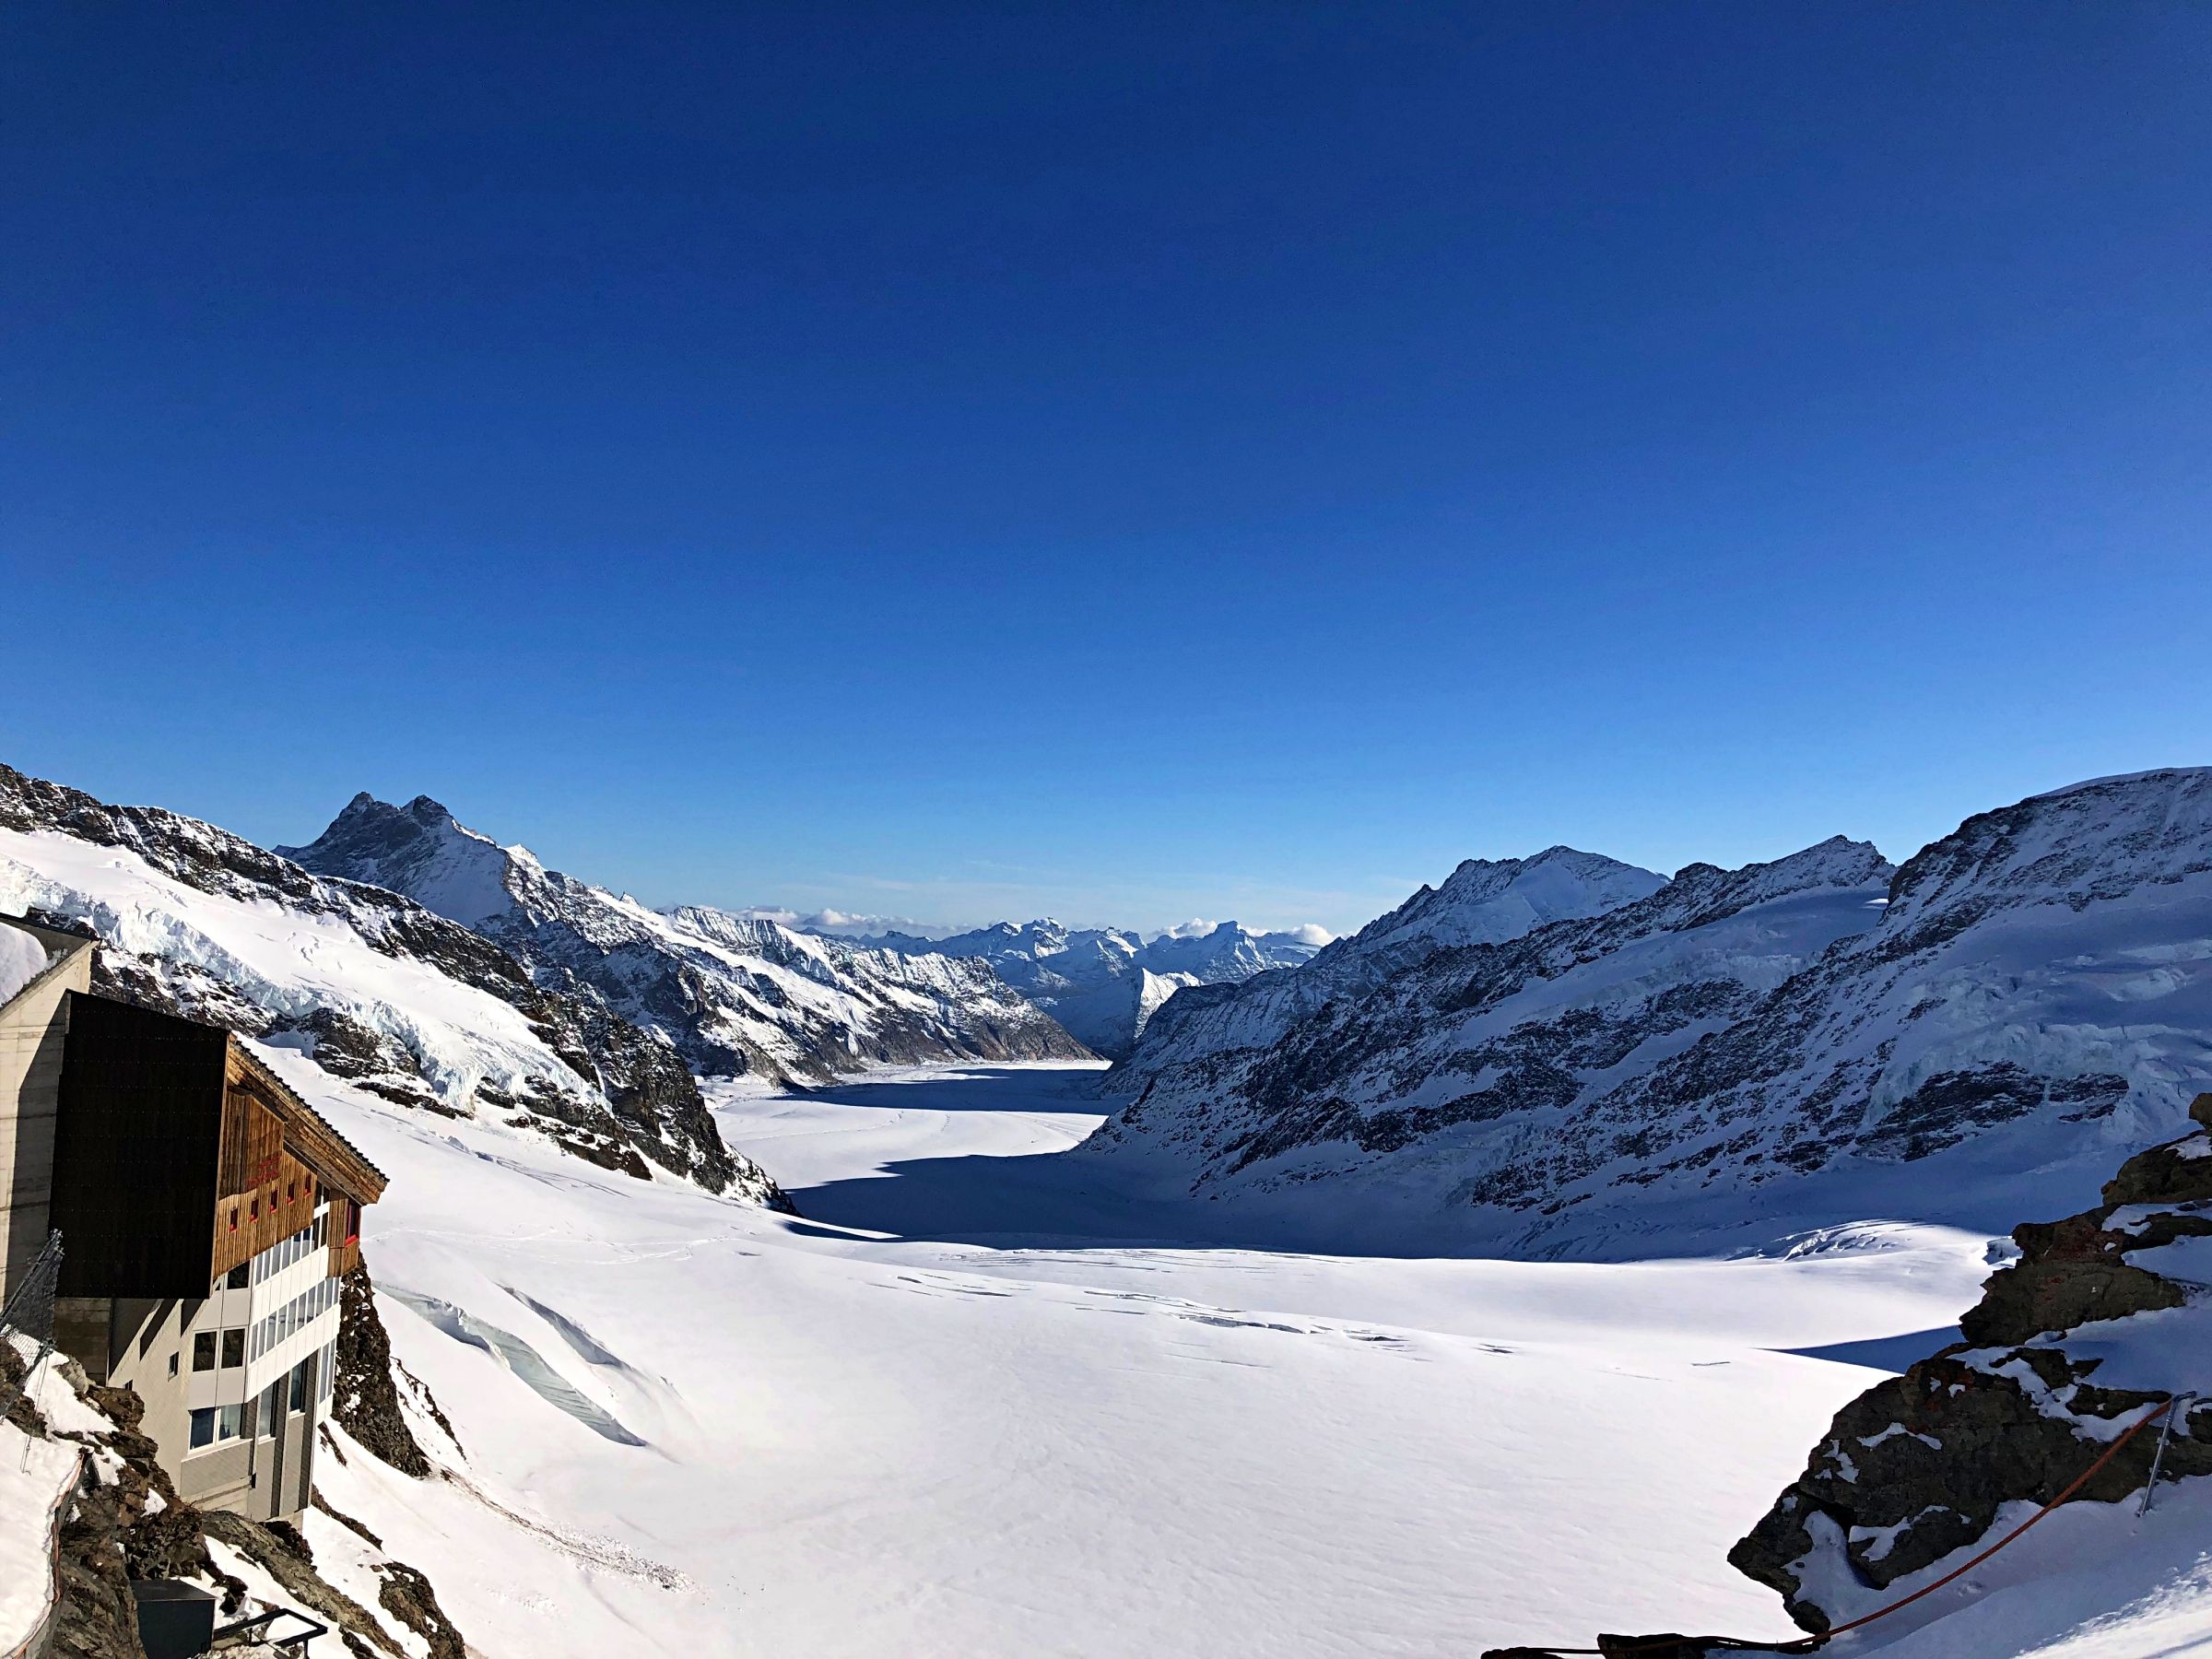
(308,1135)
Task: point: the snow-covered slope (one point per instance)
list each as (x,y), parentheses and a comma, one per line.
(1088,1435)
(1422,1084)
(375,987)
(2035,999)
(1483,902)
(2035,993)
(734,994)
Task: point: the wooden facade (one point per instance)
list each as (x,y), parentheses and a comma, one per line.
(178,1157)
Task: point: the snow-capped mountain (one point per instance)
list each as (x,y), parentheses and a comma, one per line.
(375,987)
(1482,902)
(1104,985)
(736,995)
(2040,976)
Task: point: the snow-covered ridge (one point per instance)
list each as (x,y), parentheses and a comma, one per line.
(375,987)
(2029,993)
(1482,902)
(1427,1077)
(735,995)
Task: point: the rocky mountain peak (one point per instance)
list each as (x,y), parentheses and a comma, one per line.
(420,850)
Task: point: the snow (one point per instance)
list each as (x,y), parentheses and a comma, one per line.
(980,1402)
(284,959)
(22,960)
(34,1474)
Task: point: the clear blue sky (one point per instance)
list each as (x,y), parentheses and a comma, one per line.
(1127,462)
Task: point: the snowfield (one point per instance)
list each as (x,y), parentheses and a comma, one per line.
(976,1403)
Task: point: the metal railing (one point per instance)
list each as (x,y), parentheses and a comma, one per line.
(232,1635)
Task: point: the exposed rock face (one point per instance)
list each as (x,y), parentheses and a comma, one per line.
(731,996)
(378,989)
(2068,1345)
(2035,988)
(364,1399)
(1440,1068)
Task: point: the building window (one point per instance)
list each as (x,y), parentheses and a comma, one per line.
(226,1422)
(300,1386)
(203,1351)
(234,1217)
(240,1276)
(234,1348)
(203,1427)
(172,1362)
(253,1209)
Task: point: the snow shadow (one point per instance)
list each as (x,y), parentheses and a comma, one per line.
(1892,1354)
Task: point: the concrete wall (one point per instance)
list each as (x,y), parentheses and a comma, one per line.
(263,1478)
(31,1032)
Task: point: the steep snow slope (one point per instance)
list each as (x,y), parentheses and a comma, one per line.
(2036,993)
(735,995)
(2037,997)
(373,985)
(1104,985)
(1096,1437)
(1432,1078)
(1483,902)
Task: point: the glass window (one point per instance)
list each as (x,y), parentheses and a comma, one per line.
(234,1347)
(203,1351)
(226,1422)
(203,1427)
(239,1276)
(298,1395)
(172,1363)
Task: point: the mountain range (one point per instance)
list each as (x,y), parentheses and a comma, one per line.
(1104,985)
(735,996)
(2019,997)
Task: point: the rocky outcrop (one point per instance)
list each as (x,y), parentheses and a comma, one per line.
(127,1522)
(379,990)
(2054,1364)
(364,1396)
(731,995)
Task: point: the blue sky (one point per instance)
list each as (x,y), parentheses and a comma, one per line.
(1126,463)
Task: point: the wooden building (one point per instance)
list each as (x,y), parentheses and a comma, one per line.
(207,1214)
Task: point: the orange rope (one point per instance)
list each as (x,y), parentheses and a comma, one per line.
(1808,1644)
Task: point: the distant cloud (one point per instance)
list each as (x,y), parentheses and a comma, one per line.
(841,922)
(1196,928)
